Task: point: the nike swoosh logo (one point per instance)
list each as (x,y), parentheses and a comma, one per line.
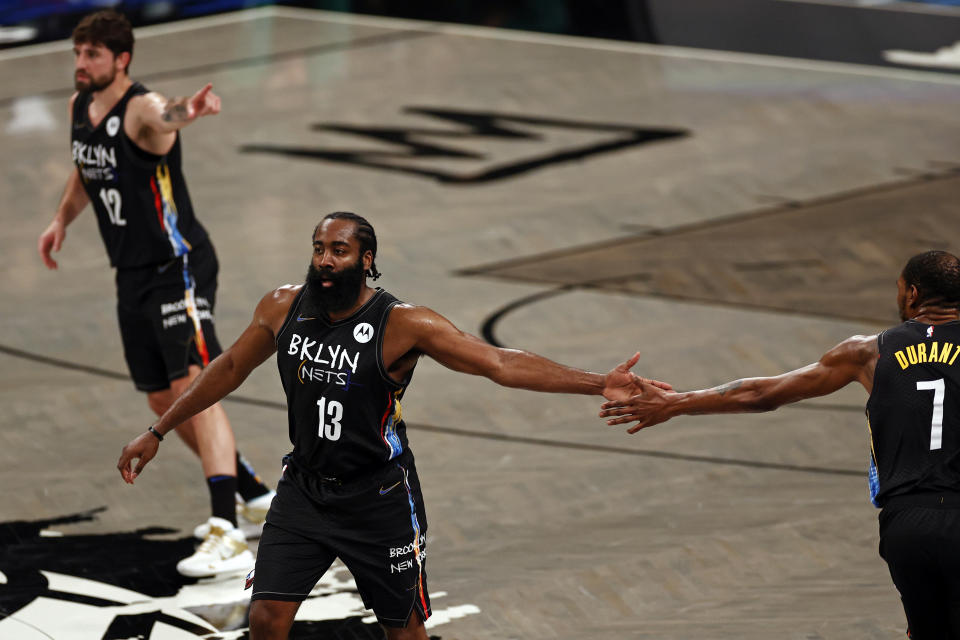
(302,319)
(388,489)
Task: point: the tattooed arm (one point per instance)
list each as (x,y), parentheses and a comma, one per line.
(152,119)
(852,360)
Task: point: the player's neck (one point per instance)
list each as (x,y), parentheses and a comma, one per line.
(935,315)
(110,95)
(365,294)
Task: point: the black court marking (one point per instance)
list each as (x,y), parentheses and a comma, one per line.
(252,61)
(488,325)
(486,435)
(811,270)
(410,144)
(138,563)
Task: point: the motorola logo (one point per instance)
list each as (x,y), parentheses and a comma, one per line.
(363,332)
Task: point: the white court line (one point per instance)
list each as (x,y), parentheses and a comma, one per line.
(579,42)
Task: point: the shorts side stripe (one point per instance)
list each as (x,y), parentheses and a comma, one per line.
(190,303)
(416,544)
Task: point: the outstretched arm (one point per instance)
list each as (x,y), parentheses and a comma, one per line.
(421,330)
(851,360)
(166,115)
(219,378)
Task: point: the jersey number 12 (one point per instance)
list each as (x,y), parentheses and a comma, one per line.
(112,203)
(936,423)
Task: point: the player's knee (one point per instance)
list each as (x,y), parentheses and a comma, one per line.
(269,622)
(413,631)
(159,402)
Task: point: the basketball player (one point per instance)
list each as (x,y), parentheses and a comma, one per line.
(346,353)
(912,374)
(126,149)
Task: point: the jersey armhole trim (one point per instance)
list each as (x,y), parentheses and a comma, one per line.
(385,316)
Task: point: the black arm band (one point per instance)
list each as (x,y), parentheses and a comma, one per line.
(155,432)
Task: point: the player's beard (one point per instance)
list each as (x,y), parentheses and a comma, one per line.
(93,84)
(340,296)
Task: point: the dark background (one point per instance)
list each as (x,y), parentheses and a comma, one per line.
(837,30)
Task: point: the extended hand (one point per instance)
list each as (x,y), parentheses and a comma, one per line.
(620,383)
(143,448)
(649,407)
(203,103)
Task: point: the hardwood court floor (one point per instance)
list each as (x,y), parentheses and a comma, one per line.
(582,199)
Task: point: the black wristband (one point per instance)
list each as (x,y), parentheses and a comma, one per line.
(155,432)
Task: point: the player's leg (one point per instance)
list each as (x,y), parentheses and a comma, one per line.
(415,630)
(388,561)
(950,558)
(271,619)
(195,293)
(210,431)
(160,401)
(224,550)
(909,542)
(181,318)
(181,306)
(255,496)
(290,559)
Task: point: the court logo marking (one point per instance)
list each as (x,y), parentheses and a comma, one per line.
(119,586)
(491,145)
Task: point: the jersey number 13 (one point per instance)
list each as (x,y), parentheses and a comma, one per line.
(332,410)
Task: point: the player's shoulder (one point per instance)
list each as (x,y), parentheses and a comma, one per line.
(420,322)
(275,305)
(282,295)
(861,348)
(408,313)
(142,98)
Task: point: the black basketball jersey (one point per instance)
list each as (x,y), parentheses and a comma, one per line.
(141,200)
(343,409)
(914,411)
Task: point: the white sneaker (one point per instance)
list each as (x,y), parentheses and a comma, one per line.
(223,552)
(250,517)
(256,509)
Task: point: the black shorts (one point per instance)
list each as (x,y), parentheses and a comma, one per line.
(375,524)
(920,540)
(166,317)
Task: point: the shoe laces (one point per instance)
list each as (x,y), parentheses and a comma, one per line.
(212,541)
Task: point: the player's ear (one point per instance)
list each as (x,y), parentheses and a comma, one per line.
(912,295)
(367,260)
(123,60)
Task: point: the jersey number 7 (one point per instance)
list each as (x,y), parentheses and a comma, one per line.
(936,423)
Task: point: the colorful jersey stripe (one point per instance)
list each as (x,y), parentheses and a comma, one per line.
(167,210)
(388,423)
